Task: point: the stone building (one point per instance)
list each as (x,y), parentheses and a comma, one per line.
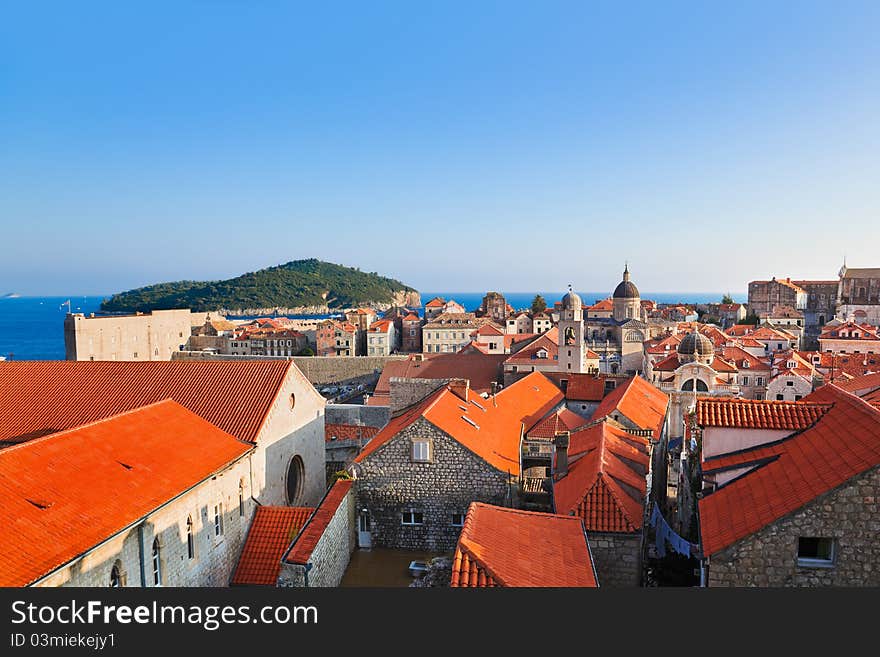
(858,295)
(796,505)
(411,336)
(416,479)
(619,339)
(338,338)
(267,404)
(608,472)
(820,308)
(267,342)
(494,306)
(139,337)
(90,507)
(764,296)
(381,338)
(449,332)
(542,355)
(694,370)
(850,338)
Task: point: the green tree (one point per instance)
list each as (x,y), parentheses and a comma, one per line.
(751,318)
(727,298)
(539,304)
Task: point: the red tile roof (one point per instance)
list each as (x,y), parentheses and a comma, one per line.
(606,482)
(42,397)
(638,401)
(272,531)
(755,414)
(348,432)
(561,420)
(65,493)
(791,473)
(480,369)
(861,385)
(507,547)
(527,355)
(494,426)
(865,332)
(436,302)
(301,550)
(580,387)
(605,305)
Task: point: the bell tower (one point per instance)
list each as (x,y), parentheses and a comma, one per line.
(572,350)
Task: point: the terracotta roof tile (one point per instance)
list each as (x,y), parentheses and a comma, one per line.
(65,493)
(301,550)
(579,387)
(272,531)
(42,397)
(758,414)
(607,479)
(507,547)
(493,426)
(561,420)
(843,443)
(348,432)
(638,401)
(480,369)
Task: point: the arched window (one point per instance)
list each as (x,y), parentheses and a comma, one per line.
(190,538)
(241,498)
(157,563)
(295,476)
(689,385)
(115,576)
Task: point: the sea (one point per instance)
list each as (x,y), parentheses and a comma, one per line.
(32,328)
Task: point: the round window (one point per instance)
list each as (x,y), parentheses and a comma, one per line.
(295,476)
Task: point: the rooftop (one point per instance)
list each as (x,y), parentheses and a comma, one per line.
(65,493)
(507,547)
(272,531)
(38,398)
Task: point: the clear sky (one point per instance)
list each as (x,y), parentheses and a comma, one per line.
(455,146)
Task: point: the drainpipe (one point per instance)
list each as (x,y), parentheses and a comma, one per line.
(141,555)
(308,567)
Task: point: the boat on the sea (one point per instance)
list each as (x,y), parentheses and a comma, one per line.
(11,295)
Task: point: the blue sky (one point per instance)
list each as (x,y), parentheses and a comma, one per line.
(457,146)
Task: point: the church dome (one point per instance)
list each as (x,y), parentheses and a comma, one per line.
(626,289)
(571,301)
(696,344)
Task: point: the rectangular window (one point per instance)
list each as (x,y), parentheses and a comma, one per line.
(745,380)
(815,552)
(218,519)
(421,451)
(759,380)
(457,519)
(412,518)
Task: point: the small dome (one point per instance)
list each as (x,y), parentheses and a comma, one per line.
(626,289)
(696,344)
(571,301)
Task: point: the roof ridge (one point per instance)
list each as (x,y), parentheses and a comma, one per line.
(13,446)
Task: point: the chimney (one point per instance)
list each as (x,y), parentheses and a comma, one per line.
(560,442)
(460,387)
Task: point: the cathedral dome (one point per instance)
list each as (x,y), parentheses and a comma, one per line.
(696,344)
(572,301)
(626,289)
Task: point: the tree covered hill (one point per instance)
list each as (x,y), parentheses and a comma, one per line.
(297,284)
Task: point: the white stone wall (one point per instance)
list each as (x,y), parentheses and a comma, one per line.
(290,432)
(153,336)
(215,556)
(331,554)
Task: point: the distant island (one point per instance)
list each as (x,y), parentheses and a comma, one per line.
(298,287)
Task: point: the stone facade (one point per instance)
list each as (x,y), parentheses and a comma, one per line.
(391,483)
(215,555)
(140,337)
(331,553)
(764,296)
(616,558)
(850,514)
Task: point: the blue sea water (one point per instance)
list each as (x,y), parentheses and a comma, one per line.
(32,328)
